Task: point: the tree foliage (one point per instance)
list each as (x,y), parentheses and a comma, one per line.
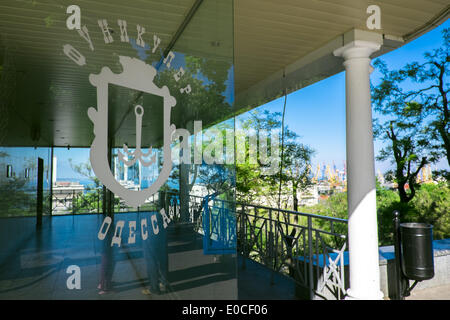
(417,95)
(414,117)
(254,180)
(431,205)
(91,200)
(15,200)
(408,151)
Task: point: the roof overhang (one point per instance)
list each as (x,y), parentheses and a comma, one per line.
(300,52)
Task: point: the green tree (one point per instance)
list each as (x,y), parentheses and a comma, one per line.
(207,101)
(432,206)
(297,159)
(424,102)
(90,202)
(14,198)
(414,116)
(335,206)
(387,202)
(409,152)
(92,199)
(294,175)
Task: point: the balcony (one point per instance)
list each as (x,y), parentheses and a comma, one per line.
(302,251)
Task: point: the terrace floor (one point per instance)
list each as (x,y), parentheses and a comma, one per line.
(33,263)
(256,282)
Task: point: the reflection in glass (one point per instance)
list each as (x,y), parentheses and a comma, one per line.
(179,244)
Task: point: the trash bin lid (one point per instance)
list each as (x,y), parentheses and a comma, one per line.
(416,225)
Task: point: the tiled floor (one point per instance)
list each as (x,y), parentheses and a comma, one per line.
(33,263)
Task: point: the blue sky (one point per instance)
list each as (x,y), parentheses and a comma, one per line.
(78,155)
(317,112)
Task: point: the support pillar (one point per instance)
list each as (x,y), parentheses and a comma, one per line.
(361,194)
(39,192)
(108,196)
(50,182)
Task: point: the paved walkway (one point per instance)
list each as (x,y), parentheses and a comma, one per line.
(435,293)
(254,283)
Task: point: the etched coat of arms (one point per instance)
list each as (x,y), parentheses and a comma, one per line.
(139,76)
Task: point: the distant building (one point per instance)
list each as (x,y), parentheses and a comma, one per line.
(63,194)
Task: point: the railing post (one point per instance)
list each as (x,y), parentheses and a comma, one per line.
(51,184)
(98,200)
(272,254)
(310,260)
(222,224)
(244,237)
(399,279)
(40,192)
(73,201)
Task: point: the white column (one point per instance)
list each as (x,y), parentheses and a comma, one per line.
(361,197)
(116,167)
(55,170)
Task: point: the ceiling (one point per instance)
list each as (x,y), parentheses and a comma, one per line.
(44,96)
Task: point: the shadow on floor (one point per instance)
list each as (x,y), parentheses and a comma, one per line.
(254,283)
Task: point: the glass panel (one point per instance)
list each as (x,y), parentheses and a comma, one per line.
(76,189)
(114,91)
(18,180)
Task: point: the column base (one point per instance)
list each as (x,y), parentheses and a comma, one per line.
(376,295)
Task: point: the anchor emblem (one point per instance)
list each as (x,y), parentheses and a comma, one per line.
(139,76)
(137,155)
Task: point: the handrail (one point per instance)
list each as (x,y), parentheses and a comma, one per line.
(312,215)
(307,247)
(279,210)
(313,257)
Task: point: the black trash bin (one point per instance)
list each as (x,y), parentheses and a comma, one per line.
(417,250)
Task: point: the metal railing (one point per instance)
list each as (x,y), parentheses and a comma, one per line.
(309,248)
(76,201)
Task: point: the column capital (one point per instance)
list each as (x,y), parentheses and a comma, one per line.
(357,49)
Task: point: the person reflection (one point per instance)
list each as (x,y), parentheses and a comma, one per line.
(107,263)
(155,254)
